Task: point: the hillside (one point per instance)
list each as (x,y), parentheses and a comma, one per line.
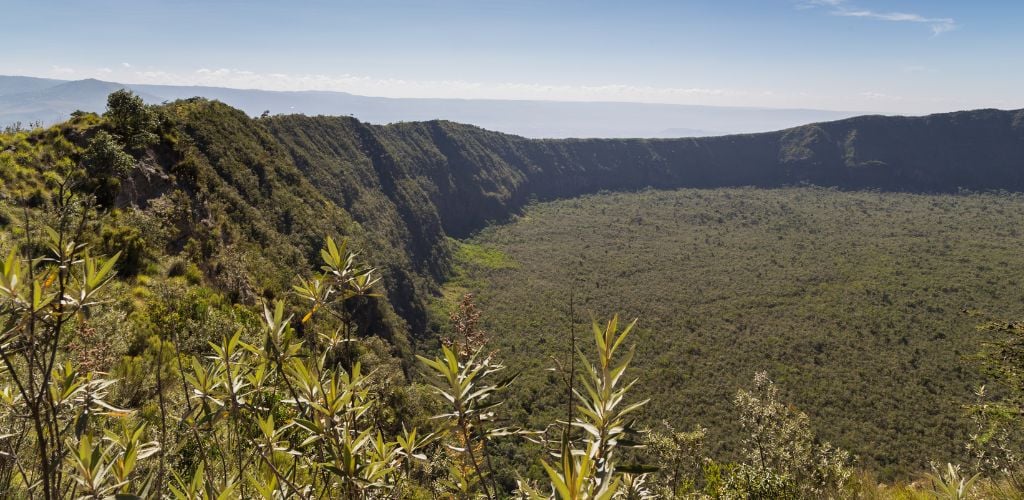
(238,207)
(473,176)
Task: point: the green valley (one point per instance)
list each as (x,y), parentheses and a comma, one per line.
(862,306)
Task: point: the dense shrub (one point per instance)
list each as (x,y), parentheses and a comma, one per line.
(132,120)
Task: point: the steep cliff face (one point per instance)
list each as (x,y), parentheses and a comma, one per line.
(403,188)
(981,150)
(470,176)
(254,220)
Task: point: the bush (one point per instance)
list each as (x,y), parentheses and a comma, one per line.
(178,267)
(105,156)
(129,241)
(782,458)
(132,120)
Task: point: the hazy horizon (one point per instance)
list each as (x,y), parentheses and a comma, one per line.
(28,100)
(512,99)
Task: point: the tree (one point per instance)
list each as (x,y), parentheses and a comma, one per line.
(131,119)
(106,163)
(56,417)
(105,156)
(997,443)
(782,458)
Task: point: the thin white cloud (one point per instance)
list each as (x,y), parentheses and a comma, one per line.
(821,3)
(396,87)
(878,96)
(61,70)
(938,25)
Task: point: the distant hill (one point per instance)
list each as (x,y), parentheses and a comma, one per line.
(51,101)
(19,84)
(28,100)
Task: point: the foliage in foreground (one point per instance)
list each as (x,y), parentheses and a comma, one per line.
(273,416)
(289,413)
(276,414)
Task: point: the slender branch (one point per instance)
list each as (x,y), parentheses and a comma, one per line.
(188,405)
(464,427)
(163,413)
(572,355)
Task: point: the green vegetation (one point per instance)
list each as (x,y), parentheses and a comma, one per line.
(267,410)
(132,120)
(480,257)
(861,306)
(163,334)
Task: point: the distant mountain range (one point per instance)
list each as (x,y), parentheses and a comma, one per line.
(28,100)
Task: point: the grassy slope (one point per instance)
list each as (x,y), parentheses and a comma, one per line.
(216,190)
(861,305)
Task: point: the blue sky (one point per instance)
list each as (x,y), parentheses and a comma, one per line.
(910,56)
